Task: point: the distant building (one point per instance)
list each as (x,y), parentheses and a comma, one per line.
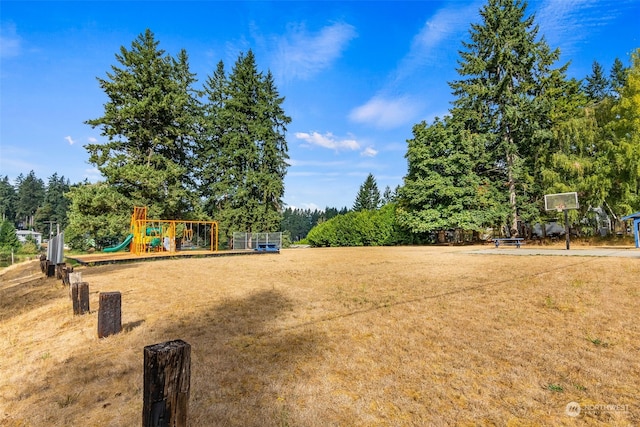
(22,236)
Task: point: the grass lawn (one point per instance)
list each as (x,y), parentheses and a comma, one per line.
(401,336)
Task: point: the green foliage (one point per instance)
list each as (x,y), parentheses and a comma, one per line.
(29,247)
(368,197)
(505,95)
(150,122)
(8,238)
(243,150)
(363,228)
(624,154)
(8,199)
(443,188)
(55,206)
(596,85)
(98,216)
(30,196)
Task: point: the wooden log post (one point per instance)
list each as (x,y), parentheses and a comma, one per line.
(109,314)
(80,297)
(43,263)
(59,270)
(66,271)
(167,381)
(74,278)
(51,269)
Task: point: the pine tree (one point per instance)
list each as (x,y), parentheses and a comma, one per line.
(243,148)
(149,121)
(7,200)
(30,196)
(8,238)
(368,197)
(596,86)
(618,76)
(504,93)
(55,206)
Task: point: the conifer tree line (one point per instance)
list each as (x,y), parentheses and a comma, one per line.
(29,203)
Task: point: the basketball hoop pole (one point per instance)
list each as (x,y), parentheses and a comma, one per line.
(566,226)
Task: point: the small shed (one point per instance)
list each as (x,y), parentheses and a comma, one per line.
(636,223)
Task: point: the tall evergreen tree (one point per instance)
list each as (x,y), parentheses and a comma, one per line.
(596,85)
(368,197)
(55,206)
(244,148)
(7,200)
(618,76)
(149,120)
(30,196)
(504,93)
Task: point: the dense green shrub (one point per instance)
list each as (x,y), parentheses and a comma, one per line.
(363,228)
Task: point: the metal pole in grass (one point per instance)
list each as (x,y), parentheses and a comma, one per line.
(167,381)
(566,227)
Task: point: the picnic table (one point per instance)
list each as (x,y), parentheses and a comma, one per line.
(517,241)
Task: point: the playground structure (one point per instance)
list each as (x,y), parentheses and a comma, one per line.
(160,235)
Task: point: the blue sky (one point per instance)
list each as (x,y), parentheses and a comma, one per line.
(356,75)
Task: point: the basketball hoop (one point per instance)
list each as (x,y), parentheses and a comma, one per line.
(560,208)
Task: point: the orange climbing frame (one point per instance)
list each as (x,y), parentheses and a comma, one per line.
(159,235)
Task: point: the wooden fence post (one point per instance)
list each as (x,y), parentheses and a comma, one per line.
(167,381)
(109,314)
(43,263)
(66,271)
(74,278)
(80,297)
(59,270)
(51,269)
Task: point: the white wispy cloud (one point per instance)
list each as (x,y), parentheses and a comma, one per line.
(301,54)
(328,140)
(565,23)
(69,140)
(316,163)
(386,113)
(369,152)
(92,140)
(449,23)
(10,42)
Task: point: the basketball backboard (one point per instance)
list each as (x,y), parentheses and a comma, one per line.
(561,201)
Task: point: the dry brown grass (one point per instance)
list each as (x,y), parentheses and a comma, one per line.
(349,337)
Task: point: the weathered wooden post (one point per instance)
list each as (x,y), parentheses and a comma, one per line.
(80,297)
(109,314)
(51,269)
(74,278)
(43,263)
(59,270)
(167,381)
(66,271)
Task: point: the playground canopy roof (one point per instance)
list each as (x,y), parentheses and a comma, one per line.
(636,221)
(632,216)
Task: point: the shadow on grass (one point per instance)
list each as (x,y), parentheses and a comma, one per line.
(243,365)
(17,296)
